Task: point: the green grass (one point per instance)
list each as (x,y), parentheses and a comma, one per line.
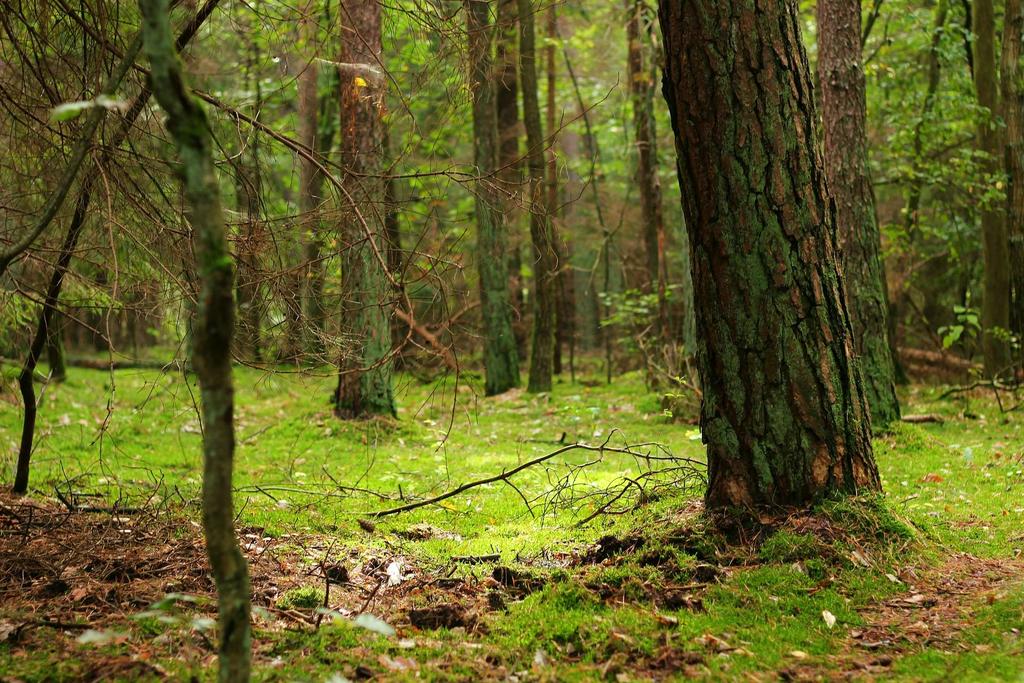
(951,487)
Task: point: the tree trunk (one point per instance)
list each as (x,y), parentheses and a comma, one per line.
(1013,115)
(501,360)
(310,186)
(318,121)
(562,311)
(214,327)
(995,305)
(70,243)
(641,89)
(364,375)
(784,414)
(544,250)
(248,189)
(911,212)
(844,118)
(55,349)
(507,100)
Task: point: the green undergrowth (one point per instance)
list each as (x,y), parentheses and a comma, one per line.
(655,593)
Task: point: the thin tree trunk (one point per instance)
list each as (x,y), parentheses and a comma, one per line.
(911,212)
(364,375)
(562,311)
(55,349)
(67,250)
(214,327)
(318,122)
(784,414)
(641,90)
(501,360)
(544,250)
(248,188)
(844,118)
(509,165)
(1013,115)
(995,305)
(310,186)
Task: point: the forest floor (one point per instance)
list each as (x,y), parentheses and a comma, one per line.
(509,580)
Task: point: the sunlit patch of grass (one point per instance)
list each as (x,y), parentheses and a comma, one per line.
(950,487)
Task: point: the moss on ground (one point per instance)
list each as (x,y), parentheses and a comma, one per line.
(655,593)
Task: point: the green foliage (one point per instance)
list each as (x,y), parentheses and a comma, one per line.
(787,546)
(302,597)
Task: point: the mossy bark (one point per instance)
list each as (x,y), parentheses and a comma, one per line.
(844,118)
(501,359)
(995,304)
(213,329)
(544,249)
(784,414)
(365,371)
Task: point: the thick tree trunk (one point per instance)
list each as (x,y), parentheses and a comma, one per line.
(501,360)
(544,250)
(844,116)
(995,305)
(509,171)
(1013,115)
(641,88)
(784,414)
(364,376)
(214,327)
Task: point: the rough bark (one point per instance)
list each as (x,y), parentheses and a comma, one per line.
(501,359)
(641,89)
(1013,116)
(364,376)
(844,118)
(544,251)
(784,414)
(213,329)
(995,304)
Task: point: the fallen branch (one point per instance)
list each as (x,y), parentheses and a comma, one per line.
(476,559)
(505,475)
(923,419)
(995,385)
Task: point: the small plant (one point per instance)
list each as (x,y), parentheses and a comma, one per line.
(303,597)
(964,331)
(786,546)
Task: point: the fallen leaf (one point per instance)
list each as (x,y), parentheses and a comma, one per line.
(372,623)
